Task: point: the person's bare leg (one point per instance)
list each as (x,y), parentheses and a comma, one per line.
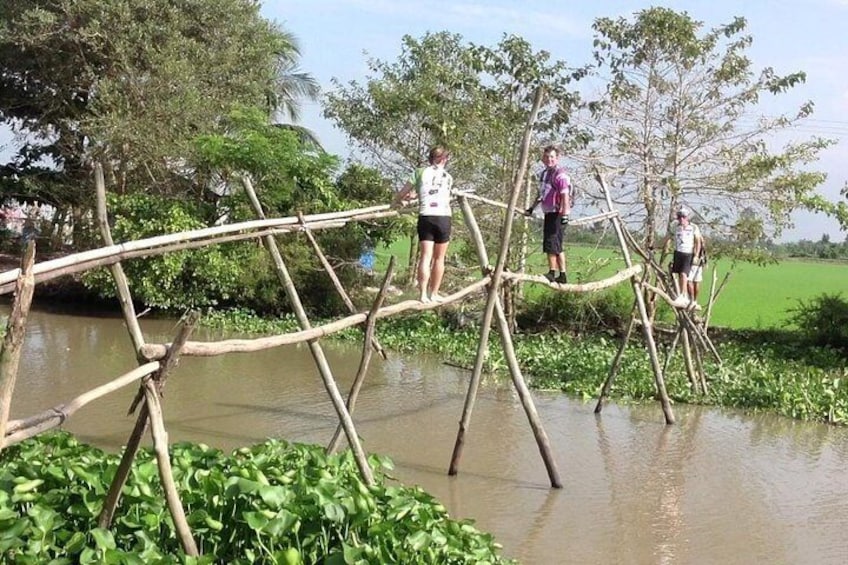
(425,256)
(438,269)
(563,266)
(553,262)
(684,284)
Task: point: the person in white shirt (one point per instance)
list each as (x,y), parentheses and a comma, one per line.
(433,186)
(687,246)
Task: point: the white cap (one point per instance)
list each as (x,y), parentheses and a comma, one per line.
(683,213)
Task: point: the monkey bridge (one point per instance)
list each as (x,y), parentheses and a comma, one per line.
(154,361)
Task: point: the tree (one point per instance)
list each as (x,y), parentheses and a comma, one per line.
(677,126)
(473,99)
(131,83)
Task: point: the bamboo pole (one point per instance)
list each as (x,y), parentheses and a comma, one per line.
(671,349)
(494,288)
(210,349)
(586,220)
(367,348)
(153,351)
(19,430)
(616,364)
(166,474)
(647,326)
(622,276)
(13,341)
(687,360)
(85,260)
(113,496)
(121,284)
(707,342)
(509,352)
(336,282)
(699,366)
(314,346)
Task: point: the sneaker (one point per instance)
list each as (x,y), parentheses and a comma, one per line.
(551,276)
(437,298)
(680,302)
(562,279)
(424,298)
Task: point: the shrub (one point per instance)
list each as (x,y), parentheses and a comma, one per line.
(823,320)
(581,313)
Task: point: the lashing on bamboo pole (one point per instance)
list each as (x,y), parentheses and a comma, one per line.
(113,496)
(19,430)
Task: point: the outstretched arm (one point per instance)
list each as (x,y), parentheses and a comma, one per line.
(404,195)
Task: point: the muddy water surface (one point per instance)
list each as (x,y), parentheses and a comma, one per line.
(719,487)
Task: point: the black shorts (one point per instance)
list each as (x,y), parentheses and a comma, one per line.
(434,228)
(682,262)
(552,234)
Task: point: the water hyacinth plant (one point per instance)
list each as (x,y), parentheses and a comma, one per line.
(274,502)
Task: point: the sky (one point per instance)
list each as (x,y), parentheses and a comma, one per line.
(337,37)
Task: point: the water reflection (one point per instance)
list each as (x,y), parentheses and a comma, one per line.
(718,487)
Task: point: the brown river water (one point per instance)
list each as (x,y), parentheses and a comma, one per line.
(720,486)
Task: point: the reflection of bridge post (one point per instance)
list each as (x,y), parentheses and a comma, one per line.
(314,346)
(663,485)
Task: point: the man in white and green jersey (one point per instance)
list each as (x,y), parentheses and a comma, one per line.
(433,186)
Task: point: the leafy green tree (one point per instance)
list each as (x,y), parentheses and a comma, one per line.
(290,175)
(677,126)
(131,83)
(471,98)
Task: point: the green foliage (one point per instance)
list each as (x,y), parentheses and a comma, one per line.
(130,83)
(271,503)
(472,98)
(823,320)
(289,174)
(783,379)
(763,296)
(196,278)
(798,382)
(579,312)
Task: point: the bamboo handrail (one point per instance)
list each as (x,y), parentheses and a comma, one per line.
(82,261)
(154,351)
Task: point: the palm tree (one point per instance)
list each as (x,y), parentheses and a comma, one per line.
(291,87)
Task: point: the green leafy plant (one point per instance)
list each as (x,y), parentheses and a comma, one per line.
(270,503)
(823,320)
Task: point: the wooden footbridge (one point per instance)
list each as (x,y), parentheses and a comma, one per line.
(155,361)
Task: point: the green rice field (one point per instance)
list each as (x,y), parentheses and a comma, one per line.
(755,297)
